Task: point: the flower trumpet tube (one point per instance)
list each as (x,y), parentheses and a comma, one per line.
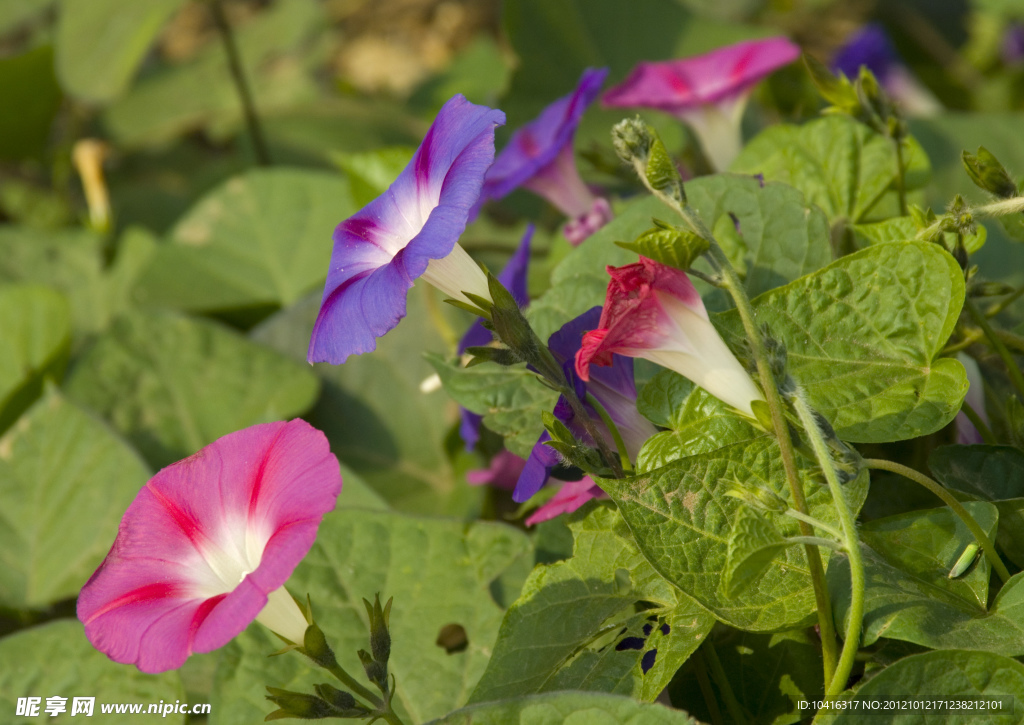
(410,231)
(708,92)
(207,545)
(654,312)
(539,157)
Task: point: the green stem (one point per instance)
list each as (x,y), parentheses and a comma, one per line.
(720,678)
(392,718)
(816,541)
(1011,339)
(815,523)
(252,121)
(358,689)
(948,499)
(731,282)
(1002,304)
(997,344)
(701,670)
(977,422)
(855,619)
(620,444)
(901,182)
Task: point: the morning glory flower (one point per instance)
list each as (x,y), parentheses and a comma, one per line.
(207,545)
(513,277)
(654,312)
(570,497)
(966,432)
(539,157)
(409,231)
(708,92)
(872,48)
(1012,50)
(613,387)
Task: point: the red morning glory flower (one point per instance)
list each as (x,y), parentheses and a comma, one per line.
(708,92)
(654,312)
(539,157)
(207,546)
(409,231)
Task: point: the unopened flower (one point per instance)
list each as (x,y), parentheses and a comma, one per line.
(708,92)
(966,432)
(1012,49)
(871,47)
(88,155)
(654,312)
(613,387)
(409,231)
(207,545)
(513,277)
(539,157)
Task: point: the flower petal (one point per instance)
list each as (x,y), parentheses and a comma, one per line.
(543,459)
(570,497)
(384,247)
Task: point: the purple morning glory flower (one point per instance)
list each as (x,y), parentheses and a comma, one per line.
(708,92)
(612,386)
(539,157)
(513,277)
(966,433)
(871,47)
(409,231)
(1013,45)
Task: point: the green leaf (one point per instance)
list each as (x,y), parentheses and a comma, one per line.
(65,482)
(947,675)
(273,47)
(511,399)
(683,518)
(839,164)
(259,239)
(56,659)
(440,573)
(96,58)
(780,238)
(567,708)
(769,673)
(373,411)
(988,473)
(927,544)
(370,173)
(564,631)
(697,421)
(27,83)
(901,605)
(673,247)
(34,337)
(73,262)
(172,384)
(17,12)
(903,228)
(753,545)
(862,337)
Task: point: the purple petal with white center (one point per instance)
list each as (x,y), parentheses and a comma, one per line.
(381,250)
(676,86)
(570,497)
(206,542)
(538,144)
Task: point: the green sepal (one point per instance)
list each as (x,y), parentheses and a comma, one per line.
(988,173)
(296,705)
(670,246)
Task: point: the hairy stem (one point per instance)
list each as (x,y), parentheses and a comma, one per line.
(815,523)
(982,427)
(701,670)
(817,541)
(252,121)
(855,619)
(948,499)
(720,678)
(997,344)
(354,685)
(901,177)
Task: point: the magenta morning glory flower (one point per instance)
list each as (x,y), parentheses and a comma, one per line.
(409,231)
(513,277)
(613,387)
(570,497)
(708,92)
(654,312)
(871,47)
(539,157)
(207,545)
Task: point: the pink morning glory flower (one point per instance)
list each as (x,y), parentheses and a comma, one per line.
(871,47)
(207,545)
(654,312)
(539,157)
(570,497)
(708,92)
(409,231)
